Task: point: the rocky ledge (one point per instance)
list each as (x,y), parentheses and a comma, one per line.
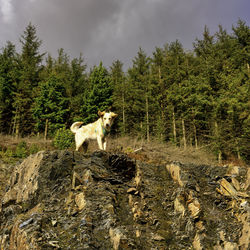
(67,200)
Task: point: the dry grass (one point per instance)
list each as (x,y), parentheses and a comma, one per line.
(13,149)
(11,142)
(154,151)
(158,152)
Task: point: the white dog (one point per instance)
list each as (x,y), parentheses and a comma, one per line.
(93,131)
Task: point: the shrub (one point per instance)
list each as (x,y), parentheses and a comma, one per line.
(21,150)
(7,156)
(33,149)
(63,139)
(9,153)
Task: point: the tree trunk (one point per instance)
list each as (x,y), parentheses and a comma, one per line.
(46,129)
(217,141)
(174,128)
(123,113)
(16,127)
(162,121)
(147,118)
(161,102)
(219,156)
(238,153)
(238,149)
(184,134)
(195,137)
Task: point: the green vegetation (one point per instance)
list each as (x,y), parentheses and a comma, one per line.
(193,98)
(63,139)
(19,151)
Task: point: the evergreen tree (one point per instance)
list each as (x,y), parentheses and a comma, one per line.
(242,35)
(176,67)
(62,66)
(50,107)
(77,87)
(237,74)
(99,96)
(72,76)
(29,68)
(139,95)
(8,80)
(223,64)
(120,93)
(209,67)
(159,91)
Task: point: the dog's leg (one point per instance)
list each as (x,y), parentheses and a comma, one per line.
(79,141)
(99,141)
(78,146)
(104,143)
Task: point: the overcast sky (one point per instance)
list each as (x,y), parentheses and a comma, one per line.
(107,30)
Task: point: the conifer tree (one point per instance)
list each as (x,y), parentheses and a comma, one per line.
(119,93)
(209,65)
(72,76)
(50,107)
(8,81)
(99,96)
(237,74)
(29,68)
(159,91)
(177,73)
(77,87)
(139,94)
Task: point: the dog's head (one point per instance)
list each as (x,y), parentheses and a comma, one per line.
(107,118)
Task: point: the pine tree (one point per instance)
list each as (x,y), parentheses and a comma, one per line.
(72,76)
(77,87)
(237,75)
(8,80)
(177,73)
(159,92)
(139,95)
(209,67)
(62,66)
(50,107)
(242,35)
(223,65)
(99,96)
(119,93)
(29,68)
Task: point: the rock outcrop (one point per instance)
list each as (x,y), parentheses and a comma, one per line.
(67,200)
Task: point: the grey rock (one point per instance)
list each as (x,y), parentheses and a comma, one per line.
(67,200)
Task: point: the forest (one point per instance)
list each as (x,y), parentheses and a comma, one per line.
(197,97)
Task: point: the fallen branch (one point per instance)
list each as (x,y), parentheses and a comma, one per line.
(137,150)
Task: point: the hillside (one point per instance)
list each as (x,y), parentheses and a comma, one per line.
(67,200)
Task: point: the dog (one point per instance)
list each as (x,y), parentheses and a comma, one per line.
(97,130)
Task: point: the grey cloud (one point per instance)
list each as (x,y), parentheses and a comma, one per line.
(106,30)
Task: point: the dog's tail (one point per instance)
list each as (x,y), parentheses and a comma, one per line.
(75,126)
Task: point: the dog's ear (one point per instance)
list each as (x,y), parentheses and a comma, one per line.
(101,113)
(113,115)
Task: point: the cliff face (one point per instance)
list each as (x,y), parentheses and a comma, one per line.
(66,200)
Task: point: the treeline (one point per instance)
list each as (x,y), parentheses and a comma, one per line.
(198,97)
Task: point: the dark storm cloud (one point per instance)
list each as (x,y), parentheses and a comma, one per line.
(106,30)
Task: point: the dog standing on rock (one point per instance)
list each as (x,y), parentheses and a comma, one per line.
(93,131)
